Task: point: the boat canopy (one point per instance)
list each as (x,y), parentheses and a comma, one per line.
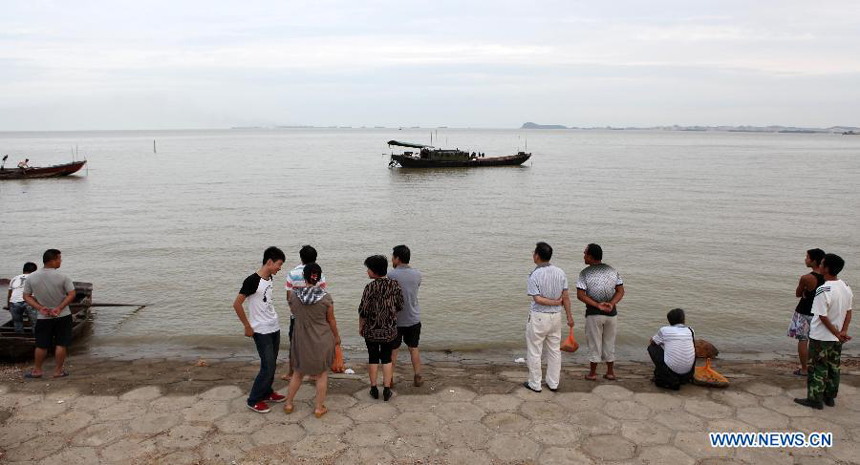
(407,144)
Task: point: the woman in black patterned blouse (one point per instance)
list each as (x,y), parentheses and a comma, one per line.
(377,321)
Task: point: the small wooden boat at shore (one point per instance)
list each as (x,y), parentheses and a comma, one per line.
(20,346)
(432,157)
(54,171)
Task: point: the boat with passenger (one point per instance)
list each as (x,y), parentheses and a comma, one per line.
(33,172)
(19,346)
(428,156)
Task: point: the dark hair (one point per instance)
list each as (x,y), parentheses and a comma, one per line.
(30,267)
(594,251)
(402,253)
(310,270)
(50,255)
(833,263)
(543,250)
(308,254)
(816,255)
(377,264)
(274,254)
(675,316)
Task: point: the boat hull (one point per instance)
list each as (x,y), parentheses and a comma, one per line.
(55,171)
(414,162)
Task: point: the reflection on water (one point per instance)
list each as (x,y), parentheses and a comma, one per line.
(711,222)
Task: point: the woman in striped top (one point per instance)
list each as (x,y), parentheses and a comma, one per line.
(377,323)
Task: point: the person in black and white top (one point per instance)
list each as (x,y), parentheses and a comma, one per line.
(600,288)
(262,324)
(673,352)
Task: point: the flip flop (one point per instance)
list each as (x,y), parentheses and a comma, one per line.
(610,377)
(61,375)
(799,373)
(591,377)
(29,375)
(321,412)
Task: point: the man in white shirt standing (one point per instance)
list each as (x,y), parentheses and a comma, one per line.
(547,286)
(17,306)
(831,312)
(673,352)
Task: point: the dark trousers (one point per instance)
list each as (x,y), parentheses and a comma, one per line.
(267,347)
(822,378)
(19,310)
(663,375)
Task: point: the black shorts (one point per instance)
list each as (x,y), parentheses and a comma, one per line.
(409,335)
(379,352)
(54,332)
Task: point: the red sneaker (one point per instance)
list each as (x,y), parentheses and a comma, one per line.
(275,397)
(260,407)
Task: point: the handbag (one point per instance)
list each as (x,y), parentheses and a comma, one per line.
(570,344)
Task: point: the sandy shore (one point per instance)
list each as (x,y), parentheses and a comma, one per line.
(468,411)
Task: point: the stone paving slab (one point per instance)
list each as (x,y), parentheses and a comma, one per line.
(163,411)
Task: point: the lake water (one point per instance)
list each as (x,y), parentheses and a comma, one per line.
(716,223)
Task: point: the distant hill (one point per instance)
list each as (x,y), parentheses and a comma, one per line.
(531,125)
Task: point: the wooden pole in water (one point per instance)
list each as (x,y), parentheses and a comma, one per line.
(153,146)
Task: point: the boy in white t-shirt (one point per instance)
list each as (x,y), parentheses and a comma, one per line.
(17,305)
(831,312)
(263,325)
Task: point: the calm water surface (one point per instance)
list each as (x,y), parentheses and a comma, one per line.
(716,223)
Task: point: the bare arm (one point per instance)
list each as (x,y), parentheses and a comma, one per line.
(619,294)
(69,298)
(35,304)
(240,312)
(830,327)
(565,300)
(843,335)
(329,316)
(541,300)
(805,284)
(584,298)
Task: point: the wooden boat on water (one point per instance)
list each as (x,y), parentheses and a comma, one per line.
(432,157)
(55,171)
(20,346)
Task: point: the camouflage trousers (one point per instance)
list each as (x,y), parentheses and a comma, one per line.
(822,379)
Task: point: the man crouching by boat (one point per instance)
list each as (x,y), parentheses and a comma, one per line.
(50,293)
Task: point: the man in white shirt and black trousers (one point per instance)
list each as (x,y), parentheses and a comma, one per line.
(673,352)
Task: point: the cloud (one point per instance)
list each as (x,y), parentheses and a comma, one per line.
(56,54)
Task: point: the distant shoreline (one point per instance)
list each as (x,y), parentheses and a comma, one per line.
(843,130)
(834,130)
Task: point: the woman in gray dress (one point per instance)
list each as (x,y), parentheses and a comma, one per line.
(314,337)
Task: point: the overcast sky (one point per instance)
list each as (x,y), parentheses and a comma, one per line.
(200,64)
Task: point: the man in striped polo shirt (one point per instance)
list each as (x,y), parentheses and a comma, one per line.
(548,288)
